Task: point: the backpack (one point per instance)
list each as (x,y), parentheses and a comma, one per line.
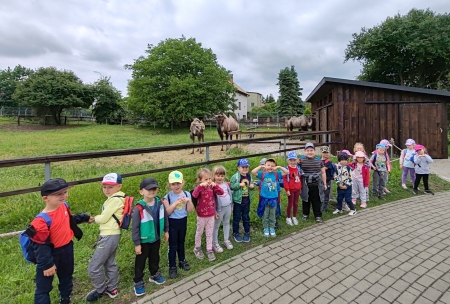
(25,241)
(193,199)
(186,194)
(287,175)
(127,210)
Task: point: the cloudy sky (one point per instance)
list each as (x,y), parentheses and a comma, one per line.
(253,39)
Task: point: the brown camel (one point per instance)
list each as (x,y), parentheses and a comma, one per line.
(197,128)
(226,124)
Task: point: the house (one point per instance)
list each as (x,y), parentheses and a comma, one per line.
(241,97)
(254,100)
(368,112)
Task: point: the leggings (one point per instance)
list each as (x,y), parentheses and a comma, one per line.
(425,181)
(224,217)
(411,172)
(207,224)
(292,206)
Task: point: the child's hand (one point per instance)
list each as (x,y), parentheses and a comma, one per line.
(166,237)
(205,184)
(251,186)
(325,187)
(212,184)
(288,193)
(50,272)
(242,184)
(137,249)
(91,219)
(217,217)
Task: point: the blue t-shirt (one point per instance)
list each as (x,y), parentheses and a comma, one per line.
(270,185)
(181,210)
(245,196)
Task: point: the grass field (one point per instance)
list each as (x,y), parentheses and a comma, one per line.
(16,276)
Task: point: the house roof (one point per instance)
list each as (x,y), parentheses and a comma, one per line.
(327,83)
(240,90)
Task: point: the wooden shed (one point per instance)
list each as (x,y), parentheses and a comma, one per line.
(368,112)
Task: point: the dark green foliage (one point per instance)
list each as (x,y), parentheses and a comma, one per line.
(107,102)
(290,101)
(179,80)
(9,80)
(269,99)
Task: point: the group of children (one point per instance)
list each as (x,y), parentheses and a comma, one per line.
(155,219)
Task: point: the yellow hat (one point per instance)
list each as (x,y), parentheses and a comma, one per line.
(175,177)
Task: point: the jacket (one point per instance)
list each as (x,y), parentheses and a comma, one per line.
(145,229)
(206,202)
(422,164)
(304,194)
(113,205)
(237,189)
(365,173)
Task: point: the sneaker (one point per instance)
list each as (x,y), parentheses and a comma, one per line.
(337,211)
(386,190)
(210,255)
(173,274)
(237,237)
(184,265)
(363,205)
(404,186)
(93,295)
(415,191)
(295,221)
(228,244)
(64,301)
(217,248)
(139,289)
(272,232)
(289,221)
(352,212)
(429,192)
(266,232)
(157,279)
(304,217)
(112,293)
(418,189)
(246,237)
(198,253)
(319,219)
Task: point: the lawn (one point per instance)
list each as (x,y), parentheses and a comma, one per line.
(17,277)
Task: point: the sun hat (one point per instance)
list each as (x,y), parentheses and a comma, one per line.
(292,155)
(175,177)
(148,183)
(346,152)
(386,143)
(112,179)
(243,162)
(54,186)
(360,154)
(325,149)
(309,145)
(419,147)
(410,142)
(381,146)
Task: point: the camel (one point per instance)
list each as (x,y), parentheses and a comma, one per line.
(226,124)
(302,122)
(197,128)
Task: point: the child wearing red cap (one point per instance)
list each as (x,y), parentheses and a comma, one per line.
(422,163)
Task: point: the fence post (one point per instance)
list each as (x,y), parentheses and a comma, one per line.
(284,144)
(207,157)
(47,172)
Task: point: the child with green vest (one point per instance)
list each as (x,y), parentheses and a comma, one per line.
(149,221)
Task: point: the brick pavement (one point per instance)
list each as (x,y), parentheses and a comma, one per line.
(395,253)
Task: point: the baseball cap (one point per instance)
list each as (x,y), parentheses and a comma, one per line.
(53,186)
(342,156)
(419,147)
(386,143)
(381,146)
(262,161)
(243,162)
(148,183)
(346,152)
(410,142)
(175,177)
(309,145)
(112,179)
(292,155)
(360,154)
(325,149)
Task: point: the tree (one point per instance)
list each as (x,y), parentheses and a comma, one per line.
(179,79)
(410,50)
(49,91)
(267,110)
(269,98)
(107,106)
(8,83)
(290,101)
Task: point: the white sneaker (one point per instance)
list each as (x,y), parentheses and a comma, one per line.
(295,221)
(352,212)
(337,211)
(404,186)
(289,221)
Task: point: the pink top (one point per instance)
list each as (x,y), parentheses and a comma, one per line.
(206,202)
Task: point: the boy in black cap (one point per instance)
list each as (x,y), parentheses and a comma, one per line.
(52,241)
(150,225)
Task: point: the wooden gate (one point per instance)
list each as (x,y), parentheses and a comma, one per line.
(322,115)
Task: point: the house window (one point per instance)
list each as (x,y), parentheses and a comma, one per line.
(239,105)
(252,104)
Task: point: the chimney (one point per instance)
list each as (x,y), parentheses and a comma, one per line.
(231,77)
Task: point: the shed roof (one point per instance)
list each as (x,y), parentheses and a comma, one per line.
(327,82)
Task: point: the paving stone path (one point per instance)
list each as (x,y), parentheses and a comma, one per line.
(395,253)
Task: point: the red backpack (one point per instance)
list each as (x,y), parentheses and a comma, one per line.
(127,210)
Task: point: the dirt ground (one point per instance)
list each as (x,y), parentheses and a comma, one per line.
(28,127)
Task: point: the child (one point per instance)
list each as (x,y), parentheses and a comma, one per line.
(313,183)
(381,166)
(329,167)
(360,178)
(241,183)
(344,182)
(360,147)
(53,246)
(149,222)
(406,164)
(387,144)
(270,189)
(206,212)
(178,204)
(422,163)
(223,208)
(103,270)
(292,184)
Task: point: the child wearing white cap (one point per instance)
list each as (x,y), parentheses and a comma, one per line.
(293,185)
(406,164)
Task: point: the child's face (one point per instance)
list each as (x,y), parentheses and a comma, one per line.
(206,178)
(219,178)
(421,152)
(109,190)
(56,199)
(360,159)
(409,147)
(269,166)
(176,187)
(309,152)
(343,162)
(243,170)
(325,155)
(380,151)
(293,162)
(148,194)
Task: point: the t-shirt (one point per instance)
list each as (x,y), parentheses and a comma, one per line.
(269,186)
(310,166)
(330,168)
(180,211)
(407,160)
(245,196)
(357,173)
(380,162)
(225,198)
